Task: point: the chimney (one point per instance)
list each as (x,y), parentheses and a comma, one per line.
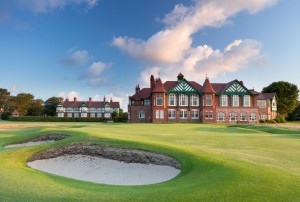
(59,100)
(111,100)
(241,82)
(137,89)
(67,100)
(90,100)
(152,82)
(75,99)
(104,99)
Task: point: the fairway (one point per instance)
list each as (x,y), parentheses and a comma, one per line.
(219,162)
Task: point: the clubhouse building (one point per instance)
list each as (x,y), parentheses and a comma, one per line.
(188,101)
(86,109)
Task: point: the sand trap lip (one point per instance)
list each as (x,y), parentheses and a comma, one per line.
(39,140)
(106,165)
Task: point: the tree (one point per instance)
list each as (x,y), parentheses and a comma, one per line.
(50,106)
(36,108)
(4,99)
(287,94)
(22,102)
(295,115)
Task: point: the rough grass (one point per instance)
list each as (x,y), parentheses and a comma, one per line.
(220,163)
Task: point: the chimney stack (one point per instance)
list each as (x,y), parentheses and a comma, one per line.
(152,82)
(75,99)
(90,100)
(111,100)
(104,99)
(137,89)
(67,100)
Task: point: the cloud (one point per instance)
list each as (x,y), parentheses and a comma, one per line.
(171,44)
(76,57)
(70,95)
(204,60)
(93,75)
(45,6)
(15,89)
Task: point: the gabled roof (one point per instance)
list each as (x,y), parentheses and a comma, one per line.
(266,96)
(94,104)
(207,87)
(145,93)
(15,112)
(159,87)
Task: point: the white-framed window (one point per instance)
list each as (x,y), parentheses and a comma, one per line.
(232,116)
(246,101)
(83,115)
(159,100)
(263,117)
(261,103)
(162,114)
(84,109)
(195,114)
(99,115)
(171,113)
(252,116)
(76,115)
(60,114)
(147,102)
(235,101)
(172,99)
(107,115)
(243,116)
(224,100)
(141,114)
(92,115)
(194,100)
(128,115)
(159,114)
(183,100)
(274,104)
(208,115)
(208,100)
(221,116)
(70,115)
(183,114)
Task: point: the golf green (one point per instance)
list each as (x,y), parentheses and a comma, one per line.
(219,162)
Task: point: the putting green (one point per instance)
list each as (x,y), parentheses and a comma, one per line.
(219,162)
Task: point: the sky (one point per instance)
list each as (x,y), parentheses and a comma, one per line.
(97,48)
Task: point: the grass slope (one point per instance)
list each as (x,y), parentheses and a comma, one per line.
(220,163)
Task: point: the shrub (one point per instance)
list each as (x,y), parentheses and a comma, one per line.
(262,121)
(5,115)
(120,119)
(272,121)
(55,119)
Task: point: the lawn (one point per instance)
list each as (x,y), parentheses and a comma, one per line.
(219,162)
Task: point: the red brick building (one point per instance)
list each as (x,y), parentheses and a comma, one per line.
(86,109)
(188,101)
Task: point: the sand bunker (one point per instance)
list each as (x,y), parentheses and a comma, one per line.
(106,165)
(39,140)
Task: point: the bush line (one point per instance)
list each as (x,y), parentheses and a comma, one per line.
(64,119)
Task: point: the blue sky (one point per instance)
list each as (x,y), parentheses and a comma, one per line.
(96,48)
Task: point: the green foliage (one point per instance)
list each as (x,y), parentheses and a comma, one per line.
(5,115)
(262,121)
(36,108)
(287,94)
(4,97)
(120,119)
(295,115)
(55,119)
(50,106)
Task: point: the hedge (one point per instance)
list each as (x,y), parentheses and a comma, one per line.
(55,119)
(64,119)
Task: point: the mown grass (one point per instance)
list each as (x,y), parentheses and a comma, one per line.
(219,163)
